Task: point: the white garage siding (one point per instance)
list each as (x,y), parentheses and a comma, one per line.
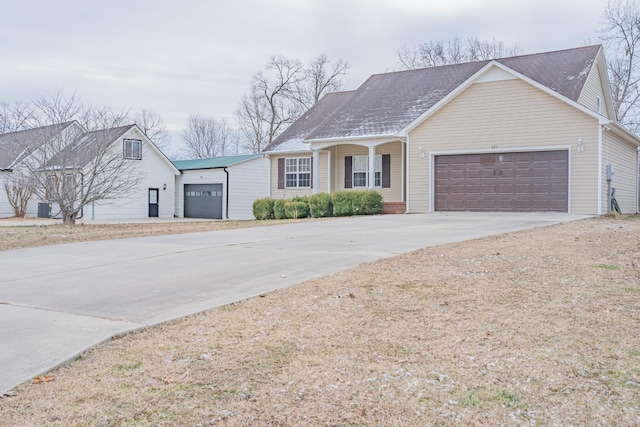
(248,181)
(506,116)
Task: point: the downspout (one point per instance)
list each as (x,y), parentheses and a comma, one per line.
(638,181)
(81,188)
(227,194)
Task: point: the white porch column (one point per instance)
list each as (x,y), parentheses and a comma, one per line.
(316,168)
(372,168)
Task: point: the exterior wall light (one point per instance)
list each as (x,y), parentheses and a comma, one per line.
(580,146)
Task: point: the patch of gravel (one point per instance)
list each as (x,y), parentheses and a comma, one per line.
(538,327)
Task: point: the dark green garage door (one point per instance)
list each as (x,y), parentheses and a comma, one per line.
(203,201)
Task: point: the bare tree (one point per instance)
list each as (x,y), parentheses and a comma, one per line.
(452,51)
(153,126)
(206,137)
(72,168)
(321,76)
(620,33)
(18,195)
(69,157)
(280,94)
(55,108)
(14,117)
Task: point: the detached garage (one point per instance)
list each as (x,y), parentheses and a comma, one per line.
(221,187)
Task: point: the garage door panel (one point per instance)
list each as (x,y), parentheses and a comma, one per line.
(203,201)
(522,181)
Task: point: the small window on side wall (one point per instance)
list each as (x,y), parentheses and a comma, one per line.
(598,105)
(132,149)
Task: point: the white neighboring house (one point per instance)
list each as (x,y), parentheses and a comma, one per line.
(153,195)
(221,187)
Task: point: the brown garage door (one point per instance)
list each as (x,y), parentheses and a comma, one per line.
(509,182)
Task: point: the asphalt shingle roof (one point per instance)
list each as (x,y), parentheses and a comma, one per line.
(86,147)
(15,146)
(386,103)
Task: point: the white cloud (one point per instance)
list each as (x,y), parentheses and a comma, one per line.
(197,57)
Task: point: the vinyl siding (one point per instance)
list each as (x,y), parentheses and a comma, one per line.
(288,193)
(392,194)
(624,158)
(156,172)
(502,116)
(593,90)
(5,209)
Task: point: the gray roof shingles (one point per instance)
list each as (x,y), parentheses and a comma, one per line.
(387,103)
(86,146)
(15,146)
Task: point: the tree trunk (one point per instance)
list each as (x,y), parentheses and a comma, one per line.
(69,218)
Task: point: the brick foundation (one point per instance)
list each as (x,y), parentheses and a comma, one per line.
(394,208)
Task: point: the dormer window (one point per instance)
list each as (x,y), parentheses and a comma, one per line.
(598,105)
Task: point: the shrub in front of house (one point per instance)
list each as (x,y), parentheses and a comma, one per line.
(368,203)
(296,209)
(342,203)
(359,202)
(263,208)
(278,209)
(320,205)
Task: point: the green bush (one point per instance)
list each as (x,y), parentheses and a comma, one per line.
(278,209)
(263,208)
(368,203)
(342,203)
(296,209)
(357,202)
(320,205)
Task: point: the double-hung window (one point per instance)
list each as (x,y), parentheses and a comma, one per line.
(361,171)
(132,149)
(298,172)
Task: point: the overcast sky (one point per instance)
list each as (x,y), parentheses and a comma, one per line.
(197,56)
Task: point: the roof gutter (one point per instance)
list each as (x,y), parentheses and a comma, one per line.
(6,170)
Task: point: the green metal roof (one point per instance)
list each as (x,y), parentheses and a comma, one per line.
(213,162)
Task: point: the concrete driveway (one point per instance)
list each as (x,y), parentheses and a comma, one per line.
(57,301)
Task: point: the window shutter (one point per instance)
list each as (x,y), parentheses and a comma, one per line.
(348,175)
(311,175)
(281,173)
(386,171)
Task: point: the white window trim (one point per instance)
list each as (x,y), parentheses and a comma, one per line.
(128,150)
(365,161)
(292,169)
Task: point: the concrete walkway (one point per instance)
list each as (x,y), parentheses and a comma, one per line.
(58,301)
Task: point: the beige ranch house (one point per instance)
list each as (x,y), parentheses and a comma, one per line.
(527,133)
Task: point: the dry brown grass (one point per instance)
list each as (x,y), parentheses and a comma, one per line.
(27,236)
(538,327)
